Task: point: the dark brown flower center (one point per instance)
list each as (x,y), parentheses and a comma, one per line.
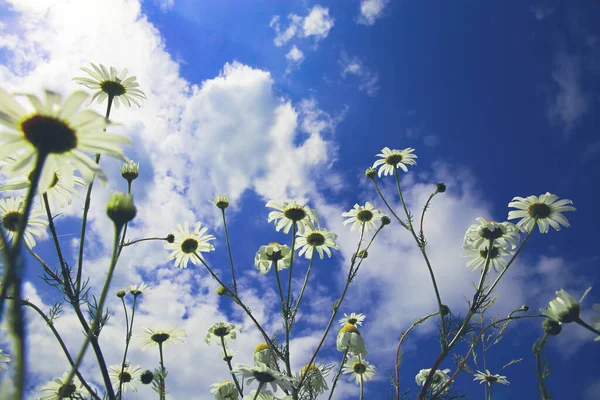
(315,239)
(487,233)
(263,377)
(112,88)
(539,211)
(160,337)
(295,214)
(221,331)
(364,216)
(125,377)
(352,321)
(11,220)
(394,159)
(189,245)
(359,368)
(48,135)
(494,253)
(67,390)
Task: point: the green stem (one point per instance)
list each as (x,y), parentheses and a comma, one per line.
(338,374)
(587,326)
(388,206)
(163,388)
(279,285)
(260,385)
(45,266)
(237,384)
(129,329)
(86,208)
(229,251)
(142,240)
(93,326)
(287,316)
(295,310)
(537,350)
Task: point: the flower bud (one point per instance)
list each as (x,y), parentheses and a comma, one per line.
(146,377)
(551,327)
(362,253)
(385,220)
(445,310)
(120,208)
(170,238)
(121,294)
(440,187)
(525,308)
(221,290)
(370,173)
(130,171)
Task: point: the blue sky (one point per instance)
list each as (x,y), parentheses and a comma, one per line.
(293,99)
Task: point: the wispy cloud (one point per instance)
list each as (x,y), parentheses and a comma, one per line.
(371,11)
(165,5)
(294,57)
(569,102)
(316,24)
(369,80)
(542,11)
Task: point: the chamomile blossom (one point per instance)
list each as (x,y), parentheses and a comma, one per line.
(349,338)
(125,378)
(479,256)
(353,319)
(266,255)
(490,379)
(263,374)
(439,378)
(504,234)
(225,390)
(188,245)
(11,215)
(564,308)
(109,83)
(136,290)
(221,201)
(162,336)
(359,369)
(60,134)
(545,211)
(319,239)
(314,379)
(263,354)
(220,330)
(288,213)
(391,159)
(61,190)
(59,389)
(366,215)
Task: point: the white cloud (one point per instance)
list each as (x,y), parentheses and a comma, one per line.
(371,11)
(165,5)
(369,80)
(317,24)
(295,57)
(569,102)
(542,11)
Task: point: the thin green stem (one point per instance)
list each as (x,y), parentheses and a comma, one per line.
(228,360)
(295,310)
(142,240)
(362,393)
(338,374)
(163,381)
(287,316)
(388,206)
(279,285)
(129,329)
(86,208)
(94,325)
(229,251)
(587,326)
(537,350)
(45,266)
(260,385)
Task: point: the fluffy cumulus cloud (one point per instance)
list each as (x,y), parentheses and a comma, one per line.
(354,66)
(569,102)
(371,11)
(316,24)
(232,133)
(294,57)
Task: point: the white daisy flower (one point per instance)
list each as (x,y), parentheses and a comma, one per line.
(72,133)
(360,369)
(479,255)
(11,213)
(289,212)
(220,330)
(225,390)
(58,389)
(504,234)
(263,354)
(545,211)
(136,290)
(266,255)
(359,215)
(221,201)
(127,377)
(394,158)
(564,308)
(490,379)
(265,375)
(319,239)
(164,336)
(188,246)
(61,190)
(439,379)
(4,360)
(349,338)
(314,379)
(353,319)
(107,82)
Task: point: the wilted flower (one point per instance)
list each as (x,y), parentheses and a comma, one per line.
(225,390)
(349,338)
(314,378)
(564,308)
(263,354)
